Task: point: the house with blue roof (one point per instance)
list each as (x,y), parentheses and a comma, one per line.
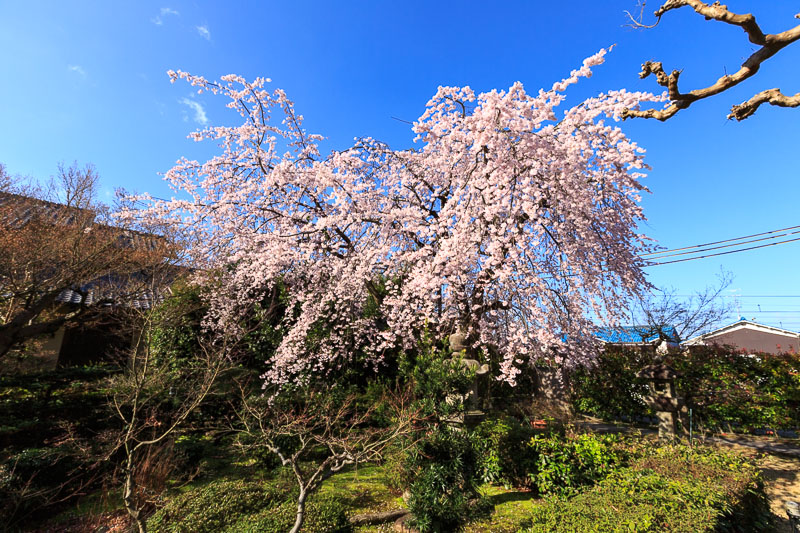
(660,338)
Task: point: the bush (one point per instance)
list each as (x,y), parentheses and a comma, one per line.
(668,489)
(610,390)
(444,471)
(565,463)
(503,454)
(725,389)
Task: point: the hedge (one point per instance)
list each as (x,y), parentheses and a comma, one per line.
(724,388)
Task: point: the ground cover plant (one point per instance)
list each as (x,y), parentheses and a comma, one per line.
(645,487)
(670,489)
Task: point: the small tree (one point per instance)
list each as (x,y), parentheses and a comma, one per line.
(689,316)
(301,424)
(154,397)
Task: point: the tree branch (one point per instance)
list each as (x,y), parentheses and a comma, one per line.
(770,45)
(770,96)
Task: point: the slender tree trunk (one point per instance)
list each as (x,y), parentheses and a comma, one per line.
(130,500)
(301,512)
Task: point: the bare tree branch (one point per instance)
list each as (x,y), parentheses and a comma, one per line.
(317,419)
(770,96)
(770,45)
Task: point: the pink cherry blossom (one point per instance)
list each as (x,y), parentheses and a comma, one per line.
(512,220)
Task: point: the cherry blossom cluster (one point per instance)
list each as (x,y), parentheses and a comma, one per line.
(513,222)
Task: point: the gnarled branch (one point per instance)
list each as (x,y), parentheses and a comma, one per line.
(770,45)
(770,96)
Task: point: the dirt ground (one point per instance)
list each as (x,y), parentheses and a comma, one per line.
(782,475)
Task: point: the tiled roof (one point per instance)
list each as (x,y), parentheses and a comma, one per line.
(19,210)
(147,299)
(636,334)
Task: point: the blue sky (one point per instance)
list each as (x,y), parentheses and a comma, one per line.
(87,81)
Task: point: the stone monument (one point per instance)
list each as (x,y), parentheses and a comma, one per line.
(475,398)
(663,398)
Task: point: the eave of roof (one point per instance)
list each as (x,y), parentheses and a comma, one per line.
(743,324)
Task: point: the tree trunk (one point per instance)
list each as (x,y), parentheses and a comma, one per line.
(301,512)
(130,501)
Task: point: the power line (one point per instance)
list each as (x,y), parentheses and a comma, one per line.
(749,295)
(741,243)
(721,242)
(723,253)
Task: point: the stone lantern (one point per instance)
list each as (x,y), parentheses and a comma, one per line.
(663,399)
(473,400)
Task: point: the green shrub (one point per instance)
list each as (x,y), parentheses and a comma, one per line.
(215,506)
(610,390)
(667,489)
(503,455)
(565,463)
(444,471)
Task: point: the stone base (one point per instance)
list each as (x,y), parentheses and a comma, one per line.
(467,420)
(667,425)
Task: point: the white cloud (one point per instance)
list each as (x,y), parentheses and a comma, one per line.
(77,69)
(199,113)
(204,33)
(165,11)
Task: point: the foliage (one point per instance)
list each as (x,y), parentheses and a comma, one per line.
(724,388)
(669,489)
(324,515)
(610,389)
(34,407)
(53,429)
(443,469)
(176,326)
(437,380)
(244,506)
(212,507)
(516,455)
(504,456)
(565,463)
(730,389)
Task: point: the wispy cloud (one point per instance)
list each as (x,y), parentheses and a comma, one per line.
(77,69)
(204,33)
(165,11)
(199,112)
